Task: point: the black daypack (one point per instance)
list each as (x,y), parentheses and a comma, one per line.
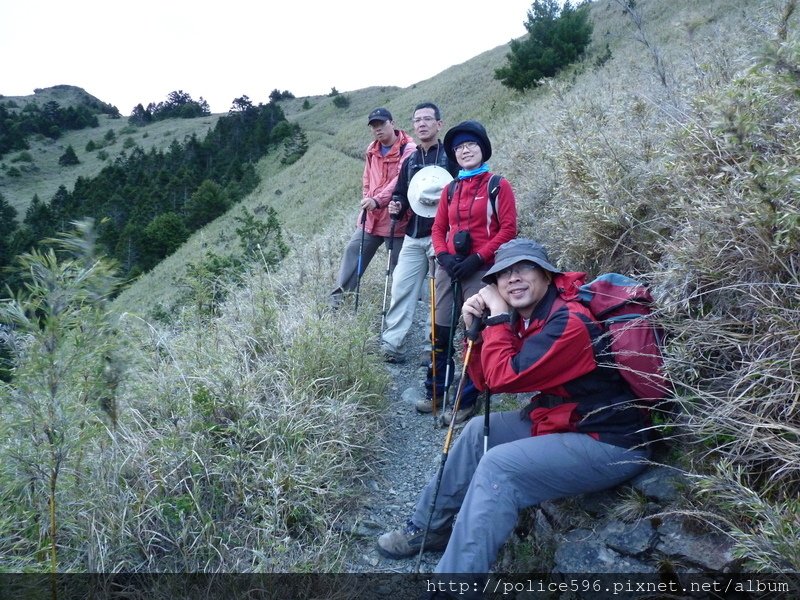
(414,166)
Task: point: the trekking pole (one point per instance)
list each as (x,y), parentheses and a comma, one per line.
(472,335)
(432,279)
(455,290)
(388,270)
(360,256)
(486,409)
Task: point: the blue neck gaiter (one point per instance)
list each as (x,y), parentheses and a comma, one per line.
(464,174)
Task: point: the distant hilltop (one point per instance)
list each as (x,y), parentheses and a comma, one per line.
(65,95)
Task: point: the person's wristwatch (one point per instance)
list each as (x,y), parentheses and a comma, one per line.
(498,319)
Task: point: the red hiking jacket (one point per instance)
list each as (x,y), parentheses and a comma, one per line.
(555,356)
(470,209)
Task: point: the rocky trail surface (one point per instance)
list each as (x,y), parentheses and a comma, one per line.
(411,453)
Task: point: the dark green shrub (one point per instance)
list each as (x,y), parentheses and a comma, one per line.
(24,156)
(341,101)
(207,203)
(557,38)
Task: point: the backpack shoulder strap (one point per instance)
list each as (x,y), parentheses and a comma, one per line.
(494,188)
(451,188)
(410,163)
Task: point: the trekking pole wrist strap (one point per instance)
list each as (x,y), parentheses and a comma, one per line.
(497,319)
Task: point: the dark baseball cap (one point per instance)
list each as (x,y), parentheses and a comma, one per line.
(379,114)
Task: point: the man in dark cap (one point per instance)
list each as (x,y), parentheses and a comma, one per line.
(384,156)
(582,431)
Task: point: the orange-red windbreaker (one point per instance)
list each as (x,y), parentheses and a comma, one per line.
(379,180)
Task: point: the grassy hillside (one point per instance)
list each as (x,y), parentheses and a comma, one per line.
(40,173)
(612,101)
(239,434)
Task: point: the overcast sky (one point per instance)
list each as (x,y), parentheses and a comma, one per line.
(137,51)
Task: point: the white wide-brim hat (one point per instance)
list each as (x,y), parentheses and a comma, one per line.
(425,189)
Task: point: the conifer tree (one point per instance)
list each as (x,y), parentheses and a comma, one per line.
(69,157)
(207,203)
(557,38)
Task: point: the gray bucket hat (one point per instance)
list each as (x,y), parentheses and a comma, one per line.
(515,251)
(425,189)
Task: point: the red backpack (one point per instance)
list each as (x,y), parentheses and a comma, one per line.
(623,306)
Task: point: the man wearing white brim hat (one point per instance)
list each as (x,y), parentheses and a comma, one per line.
(422,177)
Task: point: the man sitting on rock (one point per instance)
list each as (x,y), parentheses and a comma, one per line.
(581,432)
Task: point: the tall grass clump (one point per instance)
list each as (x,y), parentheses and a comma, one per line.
(238,438)
(733,261)
(244,446)
(60,410)
(730,268)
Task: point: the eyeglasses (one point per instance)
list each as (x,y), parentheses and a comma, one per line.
(471,146)
(519,269)
(418,120)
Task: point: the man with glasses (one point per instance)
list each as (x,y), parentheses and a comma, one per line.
(384,156)
(412,263)
(582,431)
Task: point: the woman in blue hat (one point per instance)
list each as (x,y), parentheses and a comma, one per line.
(471,223)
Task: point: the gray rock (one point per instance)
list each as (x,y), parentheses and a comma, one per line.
(634,539)
(581,551)
(707,550)
(660,484)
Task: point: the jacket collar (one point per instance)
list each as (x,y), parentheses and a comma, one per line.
(542,310)
(402,138)
(545,305)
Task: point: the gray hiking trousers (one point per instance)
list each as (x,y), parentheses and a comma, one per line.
(348,271)
(518,471)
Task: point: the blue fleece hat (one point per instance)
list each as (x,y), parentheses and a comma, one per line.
(465,136)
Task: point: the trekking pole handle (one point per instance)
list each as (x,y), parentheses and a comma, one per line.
(476,326)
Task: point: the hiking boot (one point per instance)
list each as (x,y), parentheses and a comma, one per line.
(405,542)
(425,405)
(461,415)
(391,356)
(336,299)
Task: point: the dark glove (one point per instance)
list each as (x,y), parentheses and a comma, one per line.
(467,267)
(447,261)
